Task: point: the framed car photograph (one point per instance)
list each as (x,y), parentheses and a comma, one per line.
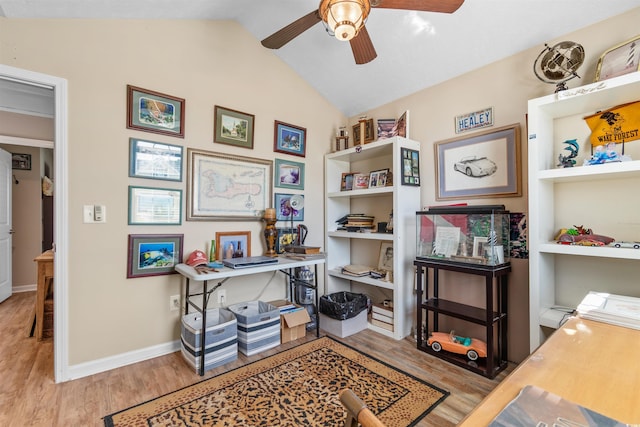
(233,244)
(289,174)
(155,112)
(289,139)
(155,160)
(484,164)
(154,206)
(233,127)
(153,254)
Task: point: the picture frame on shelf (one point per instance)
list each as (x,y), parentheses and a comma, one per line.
(360,181)
(155,112)
(289,174)
(154,206)
(385,257)
(20,161)
(402,125)
(410,167)
(283,211)
(463,165)
(346,184)
(286,236)
(232,127)
(479,243)
(618,60)
(153,254)
(227,187)
(378,178)
(386,128)
(155,160)
(369,132)
(233,244)
(289,139)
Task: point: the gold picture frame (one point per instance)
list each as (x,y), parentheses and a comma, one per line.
(621,59)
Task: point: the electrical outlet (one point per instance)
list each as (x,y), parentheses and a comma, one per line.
(222,296)
(174,302)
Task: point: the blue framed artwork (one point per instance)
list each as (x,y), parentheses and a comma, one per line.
(153,254)
(289,139)
(289,174)
(155,112)
(283,210)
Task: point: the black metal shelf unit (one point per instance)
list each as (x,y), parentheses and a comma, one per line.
(493,317)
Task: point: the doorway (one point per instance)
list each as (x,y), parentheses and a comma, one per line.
(60,225)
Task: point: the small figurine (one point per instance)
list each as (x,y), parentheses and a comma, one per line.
(607,155)
(572,147)
(471,347)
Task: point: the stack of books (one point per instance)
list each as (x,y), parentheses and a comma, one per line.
(382,316)
(614,309)
(356,222)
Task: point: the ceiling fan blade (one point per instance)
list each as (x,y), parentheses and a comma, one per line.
(291,31)
(362,47)
(443,6)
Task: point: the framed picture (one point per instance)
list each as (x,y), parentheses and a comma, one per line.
(618,60)
(378,178)
(155,160)
(402,126)
(410,167)
(153,254)
(385,259)
(360,181)
(289,174)
(286,236)
(283,211)
(347,181)
(369,133)
(233,244)
(479,243)
(233,127)
(155,112)
(227,187)
(154,206)
(386,128)
(21,161)
(485,164)
(289,139)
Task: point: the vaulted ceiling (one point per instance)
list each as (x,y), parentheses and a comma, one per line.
(415,49)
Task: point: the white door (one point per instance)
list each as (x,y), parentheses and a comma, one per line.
(5,225)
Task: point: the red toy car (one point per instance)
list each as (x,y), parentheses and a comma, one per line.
(471,347)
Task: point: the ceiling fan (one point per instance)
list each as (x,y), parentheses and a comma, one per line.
(345,20)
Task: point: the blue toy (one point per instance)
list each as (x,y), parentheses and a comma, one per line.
(572,147)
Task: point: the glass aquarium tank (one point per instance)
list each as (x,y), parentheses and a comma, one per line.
(464,234)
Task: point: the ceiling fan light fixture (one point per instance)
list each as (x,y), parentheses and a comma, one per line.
(344,18)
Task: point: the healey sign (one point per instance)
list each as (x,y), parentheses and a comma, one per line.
(475,120)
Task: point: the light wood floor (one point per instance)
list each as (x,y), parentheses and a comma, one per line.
(29,396)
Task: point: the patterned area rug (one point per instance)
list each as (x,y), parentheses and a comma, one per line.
(297,387)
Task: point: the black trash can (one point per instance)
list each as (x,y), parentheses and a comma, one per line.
(343,305)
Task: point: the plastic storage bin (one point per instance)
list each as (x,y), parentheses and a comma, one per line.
(464,234)
(221,338)
(258,326)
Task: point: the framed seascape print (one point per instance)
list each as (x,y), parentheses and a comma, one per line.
(283,210)
(153,254)
(21,161)
(227,187)
(155,160)
(485,164)
(621,59)
(289,139)
(155,206)
(410,167)
(289,174)
(155,112)
(233,244)
(286,236)
(233,127)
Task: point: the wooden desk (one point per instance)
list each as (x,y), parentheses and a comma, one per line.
(589,363)
(45,273)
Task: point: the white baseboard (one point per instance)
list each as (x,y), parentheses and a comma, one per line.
(120,360)
(24,288)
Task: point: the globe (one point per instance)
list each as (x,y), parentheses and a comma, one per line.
(558,64)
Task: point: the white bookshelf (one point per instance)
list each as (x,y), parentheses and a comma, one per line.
(601,197)
(345,247)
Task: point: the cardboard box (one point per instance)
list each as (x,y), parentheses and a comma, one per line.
(344,328)
(293,325)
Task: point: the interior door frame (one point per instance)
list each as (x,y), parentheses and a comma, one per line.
(61,214)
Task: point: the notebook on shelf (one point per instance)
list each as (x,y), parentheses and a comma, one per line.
(249,261)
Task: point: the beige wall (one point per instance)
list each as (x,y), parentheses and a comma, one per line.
(206,63)
(506,86)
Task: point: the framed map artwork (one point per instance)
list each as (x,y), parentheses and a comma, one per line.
(227,187)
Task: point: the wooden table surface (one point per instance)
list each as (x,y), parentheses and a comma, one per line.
(590,363)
